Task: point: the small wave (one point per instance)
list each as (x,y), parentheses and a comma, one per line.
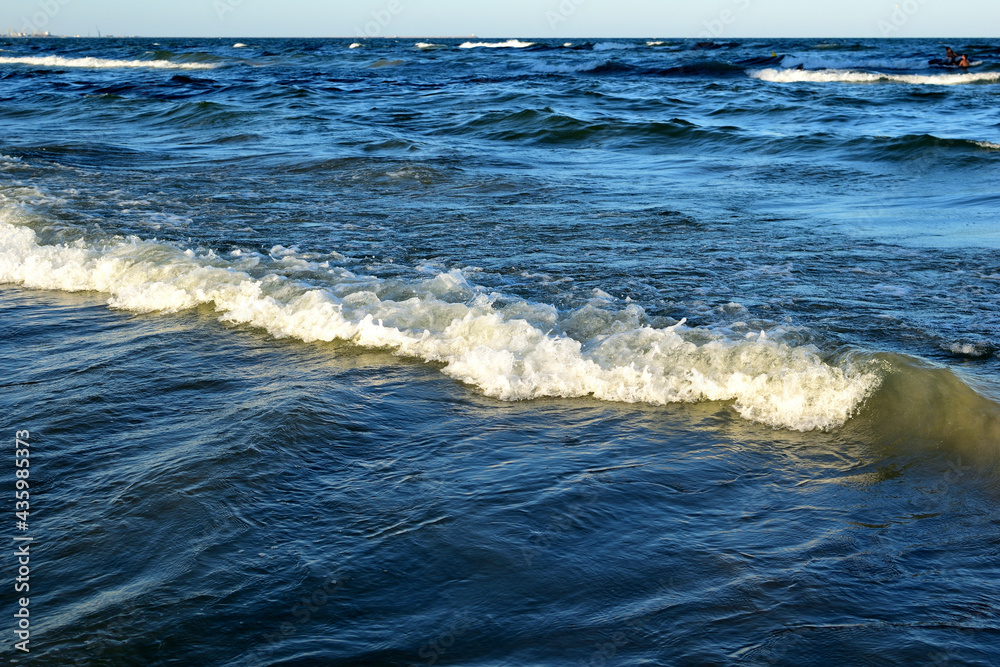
(591,67)
(709,68)
(978,350)
(510,352)
(851,76)
(546,126)
(613,46)
(355,45)
(428,46)
(611,67)
(912,146)
(98,63)
(711,46)
(239,45)
(616,67)
(509,44)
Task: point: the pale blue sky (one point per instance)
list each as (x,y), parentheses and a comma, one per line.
(509,18)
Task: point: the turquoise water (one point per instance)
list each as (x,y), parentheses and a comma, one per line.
(626,352)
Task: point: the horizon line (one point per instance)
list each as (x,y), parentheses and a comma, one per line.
(456,37)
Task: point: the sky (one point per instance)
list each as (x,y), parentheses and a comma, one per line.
(707,19)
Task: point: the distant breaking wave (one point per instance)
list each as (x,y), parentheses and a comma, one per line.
(509,44)
(99,63)
(852,76)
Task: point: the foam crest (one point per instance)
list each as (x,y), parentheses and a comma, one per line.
(853,76)
(98,63)
(518,351)
(509,44)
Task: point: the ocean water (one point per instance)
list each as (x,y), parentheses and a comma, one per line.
(511,352)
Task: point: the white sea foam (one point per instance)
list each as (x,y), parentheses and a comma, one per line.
(518,351)
(852,76)
(99,63)
(429,46)
(239,45)
(988,145)
(509,44)
(969,349)
(355,45)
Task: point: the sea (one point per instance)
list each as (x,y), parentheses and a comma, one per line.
(500,352)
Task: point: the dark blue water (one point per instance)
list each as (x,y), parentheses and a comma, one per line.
(505,353)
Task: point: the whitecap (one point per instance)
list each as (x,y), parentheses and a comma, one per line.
(509,44)
(99,63)
(854,76)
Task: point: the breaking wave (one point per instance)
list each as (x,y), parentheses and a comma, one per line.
(509,44)
(854,76)
(519,350)
(98,63)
